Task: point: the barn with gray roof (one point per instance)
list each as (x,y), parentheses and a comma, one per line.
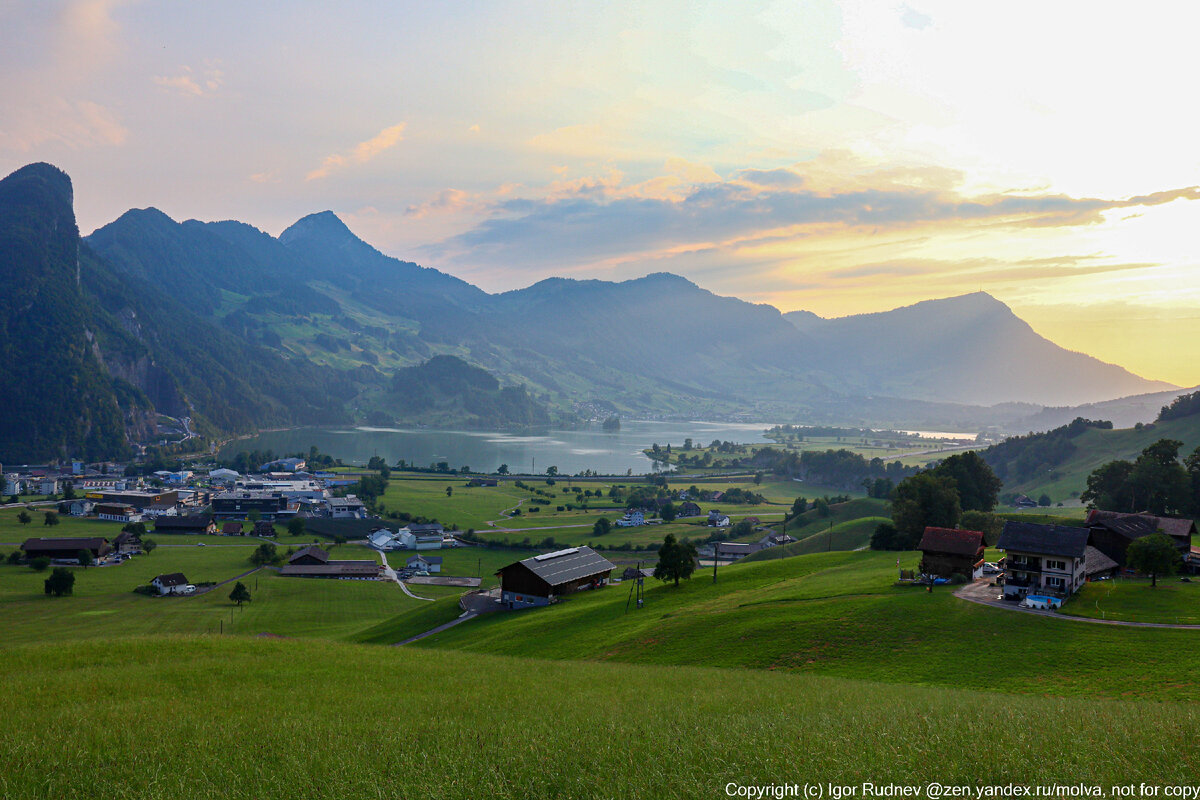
(541,580)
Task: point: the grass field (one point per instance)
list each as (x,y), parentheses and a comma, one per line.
(1133,600)
(302,719)
(841,614)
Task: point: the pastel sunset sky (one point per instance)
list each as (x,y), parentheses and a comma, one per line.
(840,157)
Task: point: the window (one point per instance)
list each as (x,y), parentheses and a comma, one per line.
(1056,583)
(1056,565)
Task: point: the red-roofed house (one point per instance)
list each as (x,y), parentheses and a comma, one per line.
(949,551)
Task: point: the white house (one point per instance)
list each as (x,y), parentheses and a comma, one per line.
(421,536)
(631,519)
(348,507)
(172,583)
(718,520)
(48,485)
(427,563)
(81,508)
(383,539)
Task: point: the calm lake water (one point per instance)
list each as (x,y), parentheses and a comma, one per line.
(571,451)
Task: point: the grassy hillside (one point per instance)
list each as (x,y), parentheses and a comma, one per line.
(241,717)
(852,534)
(841,614)
(1095,447)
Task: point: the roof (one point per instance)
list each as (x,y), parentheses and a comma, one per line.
(564,566)
(347,568)
(74,545)
(311,550)
(951,540)
(426,559)
(171,579)
(231,527)
(1094,561)
(1050,540)
(185,522)
(424,527)
(1172,526)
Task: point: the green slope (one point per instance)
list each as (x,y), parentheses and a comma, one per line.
(223,717)
(1096,447)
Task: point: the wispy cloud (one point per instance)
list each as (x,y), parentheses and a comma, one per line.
(199,84)
(361,153)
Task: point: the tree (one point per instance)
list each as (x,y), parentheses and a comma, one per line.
(449,491)
(264,554)
(1108,487)
(602,527)
(85,558)
(988,524)
(799,506)
(24,518)
(1044,501)
(551,471)
(675,560)
(920,501)
(295,526)
(138,529)
(240,594)
(1154,554)
(668,512)
(69,491)
(15,557)
(50,518)
(885,537)
(1159,482)
(39,564)
(502,469)
(978,487)
(255,515)
(60,582)
(758,478)
(148,546)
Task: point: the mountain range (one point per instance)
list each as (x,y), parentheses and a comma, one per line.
(237,330)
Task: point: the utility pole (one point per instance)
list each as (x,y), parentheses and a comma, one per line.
(716,557)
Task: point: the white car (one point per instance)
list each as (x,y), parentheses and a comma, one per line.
(189,589)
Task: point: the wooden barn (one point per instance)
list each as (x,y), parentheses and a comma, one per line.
(1111,532)
(541,580)
(66,549)
(949,551)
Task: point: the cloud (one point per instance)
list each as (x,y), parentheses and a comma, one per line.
(911,18)
(189,82)
(361,153)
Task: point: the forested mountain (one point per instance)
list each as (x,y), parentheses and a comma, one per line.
(968,349)
(239,329)
(450,390)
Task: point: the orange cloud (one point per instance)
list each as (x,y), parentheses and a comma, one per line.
(362,152)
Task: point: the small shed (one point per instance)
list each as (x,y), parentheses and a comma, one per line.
(949,551)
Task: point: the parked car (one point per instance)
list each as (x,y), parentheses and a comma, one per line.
(991,569)
(189,589)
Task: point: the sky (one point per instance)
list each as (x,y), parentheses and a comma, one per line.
(838,157)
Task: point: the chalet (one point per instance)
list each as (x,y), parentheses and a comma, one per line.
(1024,501)
(66,549)
(231,529)
(190,523)
(632,519)
(1097,566)
(114,512)
(718,520)
(264,527)
(733,551)
(1111,532)
(543,579)
(313,562)
(1045,560)
(171,583)
(633,573)
(309,555)
(126,543)
(777,539)
(426,563)
(688,509)
(81,508)
(946,552)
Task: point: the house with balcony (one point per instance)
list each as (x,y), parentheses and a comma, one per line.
(1043,560)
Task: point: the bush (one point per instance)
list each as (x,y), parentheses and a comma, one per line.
(40,564)
(958,579)
(147,590)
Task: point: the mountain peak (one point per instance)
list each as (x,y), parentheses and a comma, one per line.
(45,179)
(324,225)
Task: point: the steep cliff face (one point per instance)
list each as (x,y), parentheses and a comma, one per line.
(56,398)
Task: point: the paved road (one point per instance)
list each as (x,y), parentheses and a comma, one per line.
(466,615)
(206,589)
(983,594)
(390,574)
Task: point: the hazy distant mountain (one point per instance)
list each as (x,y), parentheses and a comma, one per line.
(968,349)
(1124,412)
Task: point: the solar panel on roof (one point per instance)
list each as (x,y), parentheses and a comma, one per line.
(556,554)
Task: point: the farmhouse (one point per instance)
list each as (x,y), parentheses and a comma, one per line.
(66,549)
(1111,532)
(231,529)
(483,482)
(543,579)
(632,519)
(313,562)
(127,543)
(421,536)
(688,509)
(81,508)
(427,563)
(171,583)
(194,523)
(1042,559)
(946,552)
(718,520)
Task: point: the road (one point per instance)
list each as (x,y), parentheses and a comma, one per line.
(983,594)
(390,574)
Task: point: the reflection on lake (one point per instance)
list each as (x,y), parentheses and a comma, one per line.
(483,451)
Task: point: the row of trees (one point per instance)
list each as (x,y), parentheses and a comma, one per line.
(1157,481)
(941,497)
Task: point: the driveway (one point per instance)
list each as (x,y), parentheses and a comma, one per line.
(390,574)
(983,594)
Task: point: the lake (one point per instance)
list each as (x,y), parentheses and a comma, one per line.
(572,451)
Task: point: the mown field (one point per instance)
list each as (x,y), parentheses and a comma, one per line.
(1133,600)
(840,614)
(219,717)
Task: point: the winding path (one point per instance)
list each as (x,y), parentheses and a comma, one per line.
(390,574)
